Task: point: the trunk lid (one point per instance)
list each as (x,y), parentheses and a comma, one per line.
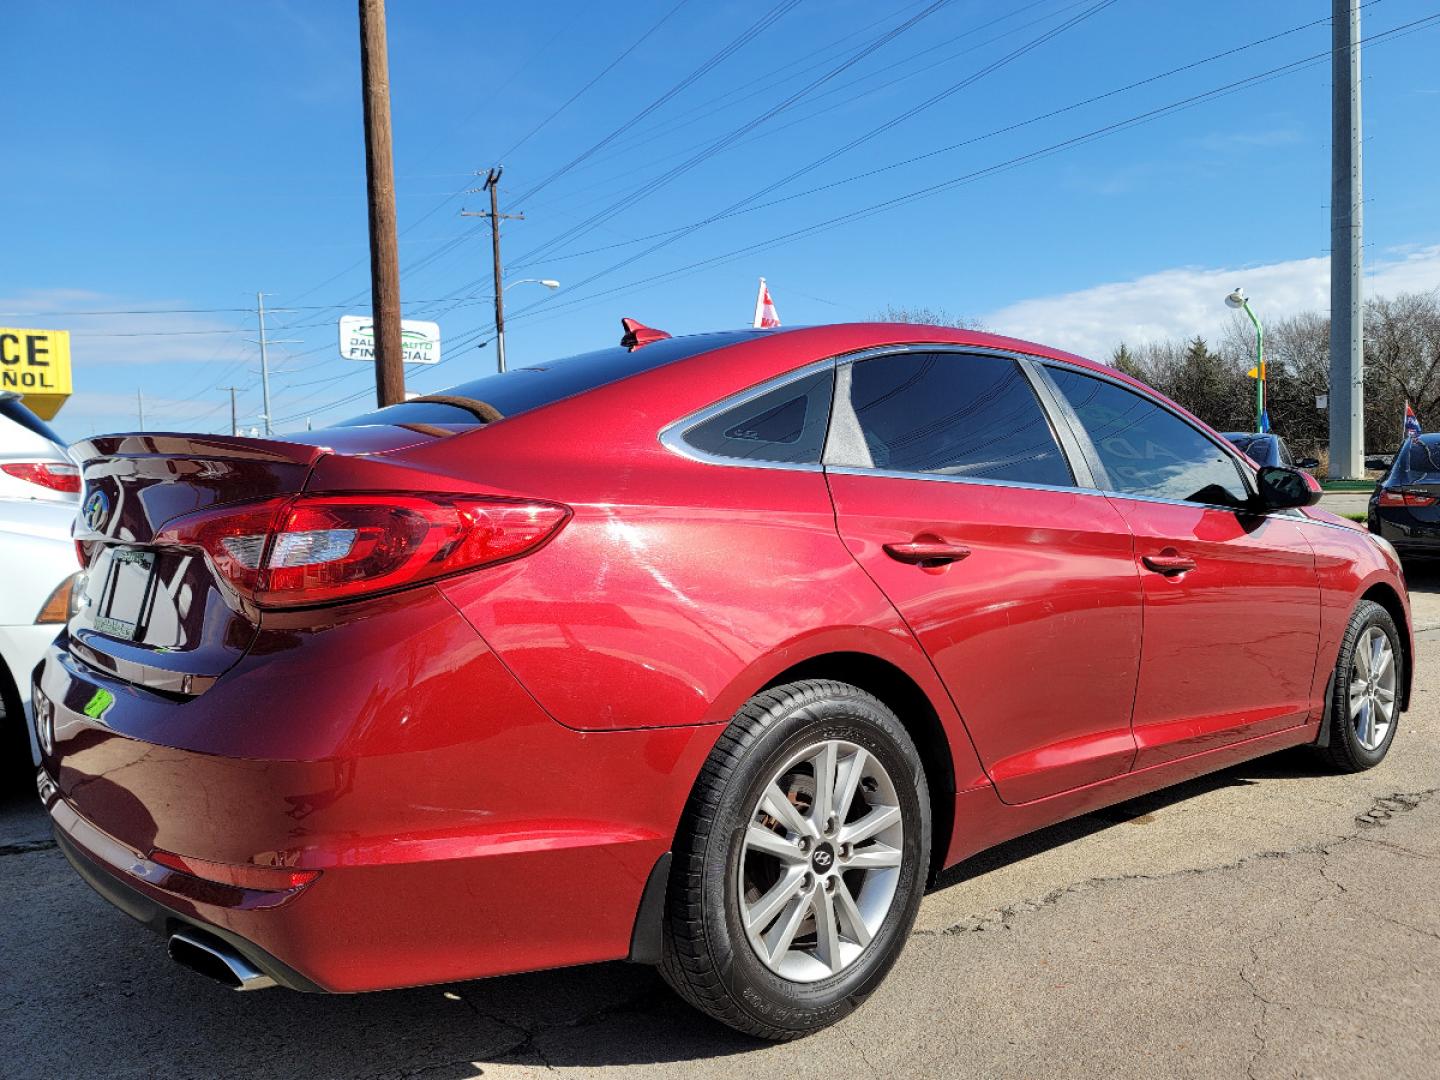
(151,614)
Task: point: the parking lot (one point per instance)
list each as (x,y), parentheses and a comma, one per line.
(1270,920)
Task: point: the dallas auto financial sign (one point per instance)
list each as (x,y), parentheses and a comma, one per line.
(419,340)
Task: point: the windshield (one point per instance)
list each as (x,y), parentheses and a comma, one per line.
(524,388)
(14,409)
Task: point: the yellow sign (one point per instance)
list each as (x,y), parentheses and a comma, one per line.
(36,365)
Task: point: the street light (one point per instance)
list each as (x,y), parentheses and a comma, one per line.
(549,283)
(1238,299)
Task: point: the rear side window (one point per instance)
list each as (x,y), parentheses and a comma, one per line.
(1146,450)
(949,414)
(784,425)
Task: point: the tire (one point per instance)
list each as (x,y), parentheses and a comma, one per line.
(722,848)
(1359,740)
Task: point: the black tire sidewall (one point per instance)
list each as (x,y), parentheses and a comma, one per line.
(1342,729)
(769,998)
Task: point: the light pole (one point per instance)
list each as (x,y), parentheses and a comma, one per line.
(549,283)
(1238,299)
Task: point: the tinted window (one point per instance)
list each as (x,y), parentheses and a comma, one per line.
(786,424)
(521,389)
(16,410)
(1146,450)
(1285,458)
(1420,459)
(955,415)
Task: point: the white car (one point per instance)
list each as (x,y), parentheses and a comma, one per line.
(39,496)
(42,582)
(34,463)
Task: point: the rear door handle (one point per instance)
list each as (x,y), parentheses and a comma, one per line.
(927,552)
(1169,562)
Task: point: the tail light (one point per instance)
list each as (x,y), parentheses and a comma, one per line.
(63,601)
(315,549)
(55,475)
(1396,497)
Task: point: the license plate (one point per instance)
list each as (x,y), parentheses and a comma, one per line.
(126,593)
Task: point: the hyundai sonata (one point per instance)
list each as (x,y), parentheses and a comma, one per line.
(704,651)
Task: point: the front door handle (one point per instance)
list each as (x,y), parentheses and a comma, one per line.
(1169,562)
(927,552)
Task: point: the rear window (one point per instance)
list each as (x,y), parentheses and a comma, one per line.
(14,409)
(522,389)
(1420,460)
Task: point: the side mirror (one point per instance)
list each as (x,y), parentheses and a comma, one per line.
(1309,463)
(1282,488)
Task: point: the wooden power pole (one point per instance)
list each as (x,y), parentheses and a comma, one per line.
(492,185)
(380,181)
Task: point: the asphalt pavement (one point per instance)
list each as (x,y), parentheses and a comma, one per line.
(1271,920)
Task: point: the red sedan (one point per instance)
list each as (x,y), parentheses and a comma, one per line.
(706,651)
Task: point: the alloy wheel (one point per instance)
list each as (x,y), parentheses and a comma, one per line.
(820,860)
(1372,688)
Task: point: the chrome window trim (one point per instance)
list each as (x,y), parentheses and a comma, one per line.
(890,474)
(672,435)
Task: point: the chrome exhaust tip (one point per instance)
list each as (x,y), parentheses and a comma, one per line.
(217,961)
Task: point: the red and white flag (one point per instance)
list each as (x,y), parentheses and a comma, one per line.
(765,316)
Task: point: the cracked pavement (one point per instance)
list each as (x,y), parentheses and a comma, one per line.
(1271,920)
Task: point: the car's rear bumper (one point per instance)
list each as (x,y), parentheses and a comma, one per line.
(109,882)
(458,831)
(1410,537)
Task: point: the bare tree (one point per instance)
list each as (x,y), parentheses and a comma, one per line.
(924,316)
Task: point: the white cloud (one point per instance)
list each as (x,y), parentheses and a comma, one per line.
(1183,302)
(127,339)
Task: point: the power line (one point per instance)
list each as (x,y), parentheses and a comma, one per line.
(1006,129)
(932,189)
(721,143)
(629,149)
(605,71)
(749,34)
(463,339)
(715,147)
(859,140)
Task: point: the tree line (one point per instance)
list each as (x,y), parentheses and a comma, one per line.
(1402,363)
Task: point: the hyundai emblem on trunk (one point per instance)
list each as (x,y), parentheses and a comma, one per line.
(97,509)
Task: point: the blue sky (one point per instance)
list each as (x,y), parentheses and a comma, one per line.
(183,155)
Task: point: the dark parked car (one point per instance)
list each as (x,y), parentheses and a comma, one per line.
(1268,450)
(1405,505)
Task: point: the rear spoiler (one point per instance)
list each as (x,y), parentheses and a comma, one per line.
(176,444)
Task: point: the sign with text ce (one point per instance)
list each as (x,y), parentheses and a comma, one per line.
(419,341)
(36,365)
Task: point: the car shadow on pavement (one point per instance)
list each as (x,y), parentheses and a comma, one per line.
(69,962)
(1296,763)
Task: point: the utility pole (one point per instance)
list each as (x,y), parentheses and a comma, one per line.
(492,185)
(1347,331)
(380,184)
(265,344)
(140,407)
(234,419)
